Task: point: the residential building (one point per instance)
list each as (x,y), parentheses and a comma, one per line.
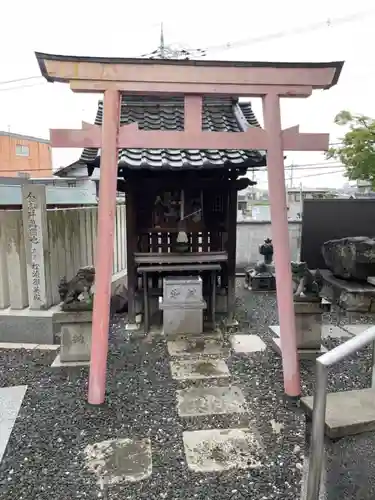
(23,155)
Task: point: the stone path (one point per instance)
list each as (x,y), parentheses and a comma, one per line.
(192,361)
(212,422)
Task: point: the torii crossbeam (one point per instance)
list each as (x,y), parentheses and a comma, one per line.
(193,79)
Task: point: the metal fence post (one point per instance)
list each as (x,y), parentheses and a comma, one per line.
(317,434)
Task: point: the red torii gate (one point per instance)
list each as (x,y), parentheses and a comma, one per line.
(193,79)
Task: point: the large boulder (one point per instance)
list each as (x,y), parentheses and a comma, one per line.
(351,258)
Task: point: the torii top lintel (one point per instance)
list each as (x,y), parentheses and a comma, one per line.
(193,79)
(151,76)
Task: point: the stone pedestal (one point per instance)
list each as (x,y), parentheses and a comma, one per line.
(348,295)
(308,324)
(182,306)
(259,281)
(308,315)
(76,330)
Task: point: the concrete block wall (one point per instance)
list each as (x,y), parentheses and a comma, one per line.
(251,234)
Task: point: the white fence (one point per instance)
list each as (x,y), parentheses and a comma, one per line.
(67,241)
(69,244)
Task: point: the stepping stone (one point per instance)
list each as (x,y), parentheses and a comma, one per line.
(356,329)
(216,450)
(195,347)
(59,364)
(120,460)
(335,332)
(247,343)
(194,402)
(194,369)
(10,403)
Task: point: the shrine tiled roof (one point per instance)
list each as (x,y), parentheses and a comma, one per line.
(219,115)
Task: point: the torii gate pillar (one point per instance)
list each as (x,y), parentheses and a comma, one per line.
(104,253)
(280,238)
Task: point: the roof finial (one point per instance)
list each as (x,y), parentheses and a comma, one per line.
(162,44)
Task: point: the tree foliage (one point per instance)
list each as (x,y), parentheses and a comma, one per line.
(357,149)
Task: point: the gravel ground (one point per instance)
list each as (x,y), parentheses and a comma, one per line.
(44,457)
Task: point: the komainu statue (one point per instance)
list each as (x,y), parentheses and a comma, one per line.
(76,294)
(307,285)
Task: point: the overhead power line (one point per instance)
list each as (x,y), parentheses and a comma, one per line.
(20,80)
(330,23)
(317,175)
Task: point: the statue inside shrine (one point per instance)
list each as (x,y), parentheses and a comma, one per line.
(262,276)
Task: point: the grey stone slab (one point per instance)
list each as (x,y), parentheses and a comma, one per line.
(356,329)
(11,401)
(195,369)
(61,364)
(63,317)
(183,347)
(302,353)
(26,328)
(334,331)
(348,413)
(210,401)
(217,450)
(119,461)
(247,343)
(327,331)
(15,345)
(6,427)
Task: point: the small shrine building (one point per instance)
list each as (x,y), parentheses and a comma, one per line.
(172,193)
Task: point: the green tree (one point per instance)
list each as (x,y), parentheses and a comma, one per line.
(357,149)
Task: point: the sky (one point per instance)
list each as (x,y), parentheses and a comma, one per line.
(321,30)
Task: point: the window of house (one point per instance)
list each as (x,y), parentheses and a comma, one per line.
(72,184)
(22,150)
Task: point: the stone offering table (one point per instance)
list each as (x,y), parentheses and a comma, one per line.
(182,306)
(76,330)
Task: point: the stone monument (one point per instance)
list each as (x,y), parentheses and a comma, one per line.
(75,316)
(262,276)
(308,309)
(182,305)
(349,277)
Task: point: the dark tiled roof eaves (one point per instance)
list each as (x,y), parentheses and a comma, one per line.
(168,114)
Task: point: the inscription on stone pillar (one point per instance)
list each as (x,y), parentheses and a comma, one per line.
(36,239)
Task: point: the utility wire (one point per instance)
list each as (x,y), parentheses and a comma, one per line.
(20,80)
(292,32)
(319,174)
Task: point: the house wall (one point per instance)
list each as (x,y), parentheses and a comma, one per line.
(38,162)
